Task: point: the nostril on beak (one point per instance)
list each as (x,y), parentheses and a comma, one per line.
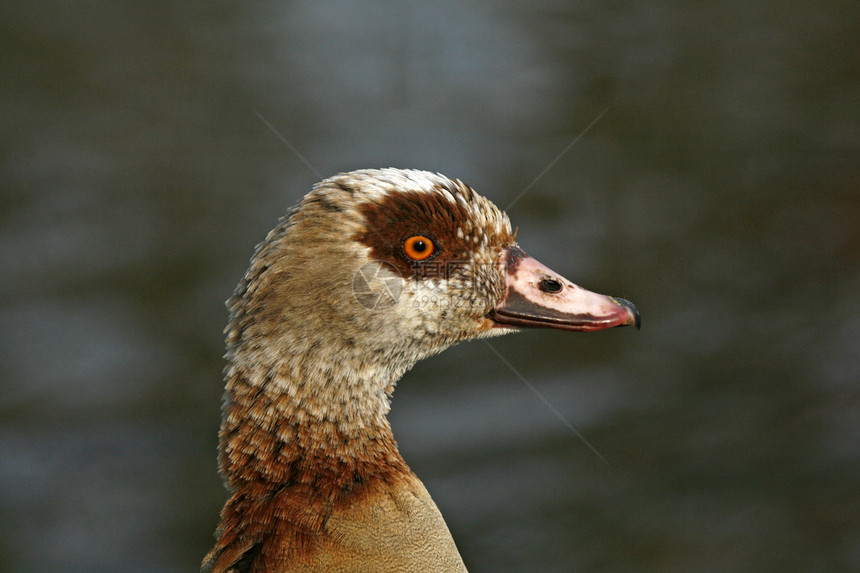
(550,285)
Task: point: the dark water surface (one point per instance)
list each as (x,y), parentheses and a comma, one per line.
(718,190)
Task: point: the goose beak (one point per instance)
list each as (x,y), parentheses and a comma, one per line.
(538,297)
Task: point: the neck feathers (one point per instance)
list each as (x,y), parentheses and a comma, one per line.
(290,465)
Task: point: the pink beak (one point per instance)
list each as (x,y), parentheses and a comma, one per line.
(538,297)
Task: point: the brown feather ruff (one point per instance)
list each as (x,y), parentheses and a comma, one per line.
(287,479)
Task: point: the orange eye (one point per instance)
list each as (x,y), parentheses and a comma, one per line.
(419,247)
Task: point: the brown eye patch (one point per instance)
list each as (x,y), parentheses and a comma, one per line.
(408,229)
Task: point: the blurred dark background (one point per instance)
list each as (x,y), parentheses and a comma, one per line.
(718,190)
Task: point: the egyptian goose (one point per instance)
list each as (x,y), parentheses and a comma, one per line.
(375,270)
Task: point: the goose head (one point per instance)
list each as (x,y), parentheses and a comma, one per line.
(373,271)
(377,269)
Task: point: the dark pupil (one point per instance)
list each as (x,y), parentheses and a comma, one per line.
(419,246)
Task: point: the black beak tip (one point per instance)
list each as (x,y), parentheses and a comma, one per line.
(637,320)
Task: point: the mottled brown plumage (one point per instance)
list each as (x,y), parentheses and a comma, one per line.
(316,479)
